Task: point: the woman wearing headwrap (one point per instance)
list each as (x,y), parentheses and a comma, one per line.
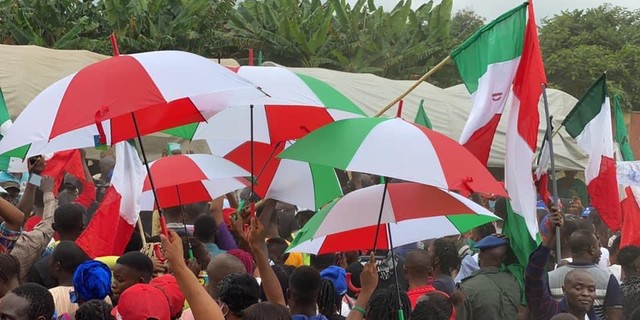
(91,281)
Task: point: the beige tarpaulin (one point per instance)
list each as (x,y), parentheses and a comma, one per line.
(448,110)
(27,70)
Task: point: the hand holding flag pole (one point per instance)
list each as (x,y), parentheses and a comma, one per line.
(554,181)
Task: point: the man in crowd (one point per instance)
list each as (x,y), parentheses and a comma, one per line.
(585,253)
(579,287)
(629,259)
(417,271)
(28,302)
(130,269)
(569,187)
(490,293)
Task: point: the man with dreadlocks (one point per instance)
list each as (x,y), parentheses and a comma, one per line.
(329,301)
(385,304)
(444,258)
(490,293)
(9,273)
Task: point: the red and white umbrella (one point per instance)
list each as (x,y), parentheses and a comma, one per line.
(160,90)
(411,212)
(191,178)
(296,105)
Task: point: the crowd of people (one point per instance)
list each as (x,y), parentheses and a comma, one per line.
(217,263)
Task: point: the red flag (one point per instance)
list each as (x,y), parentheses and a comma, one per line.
(541,184)
(630,218)
(64,162)
(112,225)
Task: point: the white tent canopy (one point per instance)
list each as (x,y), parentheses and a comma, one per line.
(27,70)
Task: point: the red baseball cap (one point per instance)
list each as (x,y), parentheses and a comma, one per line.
(169,285)
(141,302)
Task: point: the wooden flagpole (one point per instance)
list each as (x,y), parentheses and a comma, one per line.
(415,85)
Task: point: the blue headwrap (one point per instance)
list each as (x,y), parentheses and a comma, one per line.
(92,280)
(337,276)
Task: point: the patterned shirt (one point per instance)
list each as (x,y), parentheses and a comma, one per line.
(631,295)
(30,245)
(8,239)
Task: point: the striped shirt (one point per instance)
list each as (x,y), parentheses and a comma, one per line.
(608,292)
(542,305)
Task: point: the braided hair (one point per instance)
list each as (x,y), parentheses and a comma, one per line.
(447,254)
(329,302)
(9,267)
(383,305)
(94,310)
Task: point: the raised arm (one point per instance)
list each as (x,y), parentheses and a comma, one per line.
(369,281)
(29,195)
(201,303)
(270,282)
(12,216)
(88,195)
(540,301)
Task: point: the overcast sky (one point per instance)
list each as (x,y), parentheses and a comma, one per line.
(493,8)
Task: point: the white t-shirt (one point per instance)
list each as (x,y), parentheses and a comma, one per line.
(604,258)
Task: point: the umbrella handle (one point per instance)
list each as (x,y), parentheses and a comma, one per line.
(351,286)
(163,226)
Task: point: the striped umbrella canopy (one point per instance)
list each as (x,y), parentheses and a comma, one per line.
(297,104)
(410,212)
(190,178)
(395,148)
(107,101)
(299,183)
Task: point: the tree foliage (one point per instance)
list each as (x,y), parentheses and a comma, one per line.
(357,37)
(578,46)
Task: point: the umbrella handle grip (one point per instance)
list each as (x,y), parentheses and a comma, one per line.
(163,226)
(350,285)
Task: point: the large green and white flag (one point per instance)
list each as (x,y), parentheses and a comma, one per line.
(589,122)
(12,161)
(487,63)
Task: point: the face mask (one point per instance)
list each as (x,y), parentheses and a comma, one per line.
(492,204)
(471,244)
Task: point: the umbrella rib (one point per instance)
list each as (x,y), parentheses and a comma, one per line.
(268,160)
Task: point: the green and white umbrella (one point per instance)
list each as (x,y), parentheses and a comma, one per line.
(299,183)
(395,148)
(411,212)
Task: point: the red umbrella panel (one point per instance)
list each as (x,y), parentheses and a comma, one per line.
(185,179)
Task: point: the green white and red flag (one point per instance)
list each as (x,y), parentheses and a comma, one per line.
(589,122)
(522,137)
(487,63)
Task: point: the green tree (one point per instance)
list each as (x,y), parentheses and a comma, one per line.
(62,24)
(579,45)
(147,25)
(290,32)
(463,24)
(398,44)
